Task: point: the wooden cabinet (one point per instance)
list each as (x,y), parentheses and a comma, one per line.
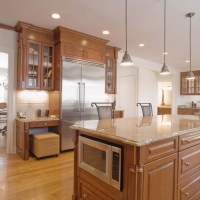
(190,87)
(164,169)
(118,113)
(22,133)
(186,111)
(110,82)
(164,111)
(87,191)
(160,171)
(40,66)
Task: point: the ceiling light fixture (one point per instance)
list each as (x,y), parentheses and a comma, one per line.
(105,32)
(164,70)
(55,16)
(190,75)
(165,53)
(187,61)
(141,45)
(126,60)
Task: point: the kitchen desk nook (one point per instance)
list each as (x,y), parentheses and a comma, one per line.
(23,131)
(159,160)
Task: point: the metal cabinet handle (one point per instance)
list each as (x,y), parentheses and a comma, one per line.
(186,193)
(85,195)
(188,141)
(188,164)
(79,96)
(83,107)
(45,123)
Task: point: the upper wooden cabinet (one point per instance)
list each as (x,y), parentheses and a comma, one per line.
(40,66)
(190,87)
(35,58)
(40,51)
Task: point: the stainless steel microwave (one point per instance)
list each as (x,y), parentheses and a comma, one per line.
(101,159)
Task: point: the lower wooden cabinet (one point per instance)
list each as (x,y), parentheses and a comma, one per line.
(164,111)
(88,192)
(190,188)
(118,113)
(187,111)
(160,171)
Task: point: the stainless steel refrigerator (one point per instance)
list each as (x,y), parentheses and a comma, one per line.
(82,83)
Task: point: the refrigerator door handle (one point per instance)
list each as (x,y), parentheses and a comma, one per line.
(79,97)
(83,107)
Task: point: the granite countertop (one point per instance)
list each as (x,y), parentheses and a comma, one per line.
(165,106)
(142,130)
(30,119)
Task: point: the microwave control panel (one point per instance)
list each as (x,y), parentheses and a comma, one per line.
(115,166)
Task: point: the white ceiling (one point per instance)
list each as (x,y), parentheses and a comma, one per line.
(145,24)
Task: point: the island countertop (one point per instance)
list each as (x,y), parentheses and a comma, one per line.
(140,131)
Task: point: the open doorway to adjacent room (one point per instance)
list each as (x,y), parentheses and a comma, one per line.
(3,99)
(164,98)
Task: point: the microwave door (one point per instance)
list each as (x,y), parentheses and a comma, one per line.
(94,157)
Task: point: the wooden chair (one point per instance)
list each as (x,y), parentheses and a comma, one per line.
(105,109)
(146,109)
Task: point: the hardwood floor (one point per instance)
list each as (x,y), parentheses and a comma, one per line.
(45,179)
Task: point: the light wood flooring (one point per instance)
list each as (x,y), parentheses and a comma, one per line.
(45,179)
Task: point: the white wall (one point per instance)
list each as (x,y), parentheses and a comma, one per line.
(8,44)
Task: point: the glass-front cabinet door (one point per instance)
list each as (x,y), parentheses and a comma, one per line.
(33,80)
(197,80)
(184,85)
(47,67)
(110,76)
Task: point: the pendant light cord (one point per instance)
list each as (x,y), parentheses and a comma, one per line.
(164,28)
(126,23)
(190,44)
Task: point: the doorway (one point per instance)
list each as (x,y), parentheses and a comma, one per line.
(3,99)
(127,95)
(164,98)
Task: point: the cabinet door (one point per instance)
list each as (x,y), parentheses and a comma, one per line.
(87,191)
(33,68)
(181,111)
(160,179)
(197,80)
(184,86)
(191,87)
(47,67)
(110,76)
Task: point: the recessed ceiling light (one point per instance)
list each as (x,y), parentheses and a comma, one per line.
(55,16)
(141,45)
(187,61)
(105,32)
(165,53)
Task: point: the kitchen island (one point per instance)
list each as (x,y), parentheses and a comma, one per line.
(161,158)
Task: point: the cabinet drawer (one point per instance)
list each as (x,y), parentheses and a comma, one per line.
(190,188)
(87,191)
(44,123)
(118,114)
(189,140)
(159,149)
(189,162)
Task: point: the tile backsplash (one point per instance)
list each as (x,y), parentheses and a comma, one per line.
(30,101)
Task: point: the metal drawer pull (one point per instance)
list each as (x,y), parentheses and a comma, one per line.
(186,193)
(85,195)
(188,164)
(45,123)
(188,141)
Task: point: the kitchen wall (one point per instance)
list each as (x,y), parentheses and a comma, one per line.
(8,44)
(28,102)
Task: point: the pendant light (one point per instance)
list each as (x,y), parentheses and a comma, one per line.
(126,60)
(164,70)
(190,75)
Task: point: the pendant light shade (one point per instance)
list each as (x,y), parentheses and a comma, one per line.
(190,75)
(164,69)
(126,60)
